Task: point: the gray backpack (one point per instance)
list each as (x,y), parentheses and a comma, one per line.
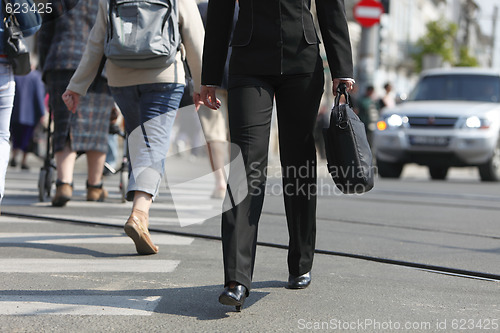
(142,33)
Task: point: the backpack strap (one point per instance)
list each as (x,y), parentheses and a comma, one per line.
(95,83)
(112,3)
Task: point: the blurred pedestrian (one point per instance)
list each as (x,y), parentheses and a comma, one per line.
(29,108)
(214,122)
(367,111)
(188,134)
(322,122)
(112,156)
(148,99)
(388,100)
(275,55)
(61,44)
(29,23)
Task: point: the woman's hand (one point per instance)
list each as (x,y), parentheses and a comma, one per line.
(71,99)
(209,98)
(348,83)
(197,100)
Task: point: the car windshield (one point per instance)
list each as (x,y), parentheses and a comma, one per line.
(463,87)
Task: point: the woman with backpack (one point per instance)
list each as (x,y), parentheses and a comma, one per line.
(147,92)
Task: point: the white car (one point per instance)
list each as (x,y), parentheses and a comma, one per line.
(451,119)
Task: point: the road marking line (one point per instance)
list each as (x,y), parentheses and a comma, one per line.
(20,265)
(185,204)
(13,220)
(61,238)
(79,305)
(118,220)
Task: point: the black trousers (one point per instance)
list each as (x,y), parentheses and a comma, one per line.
(250,104)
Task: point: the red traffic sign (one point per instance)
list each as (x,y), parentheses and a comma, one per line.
(368,12)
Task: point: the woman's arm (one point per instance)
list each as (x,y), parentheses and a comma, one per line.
(333,25)
(335,33)
(193,33)
(94,51)
(217,34)
(220,17)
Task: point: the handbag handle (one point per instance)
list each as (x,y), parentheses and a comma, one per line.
(11,23)
(342,121)
(10,19)
(342,90)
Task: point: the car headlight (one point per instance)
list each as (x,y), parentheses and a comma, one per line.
(474,122)
(392,122)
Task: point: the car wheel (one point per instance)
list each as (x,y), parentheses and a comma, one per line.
(389,170)
(438,172)
(490,171)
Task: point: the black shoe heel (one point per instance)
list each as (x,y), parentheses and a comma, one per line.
(234,296)
(299,282)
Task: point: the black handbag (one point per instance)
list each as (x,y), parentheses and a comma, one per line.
(14,44)
(348,152)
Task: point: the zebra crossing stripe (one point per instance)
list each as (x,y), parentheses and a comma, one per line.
(6,220)
(62,238)
(156,221)
(21,265)
(185,202)
(95,305)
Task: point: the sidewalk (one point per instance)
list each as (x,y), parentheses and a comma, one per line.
(350,295)
(176,290)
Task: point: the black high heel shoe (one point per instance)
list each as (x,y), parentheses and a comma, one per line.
(299,282)
(234,296)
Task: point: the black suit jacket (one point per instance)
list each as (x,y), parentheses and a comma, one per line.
(203,8)
(275,37)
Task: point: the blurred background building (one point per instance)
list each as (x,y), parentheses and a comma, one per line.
(395,43)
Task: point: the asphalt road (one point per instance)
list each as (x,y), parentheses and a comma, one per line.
(412,255)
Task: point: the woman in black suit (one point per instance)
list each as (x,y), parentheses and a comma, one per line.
(275,56)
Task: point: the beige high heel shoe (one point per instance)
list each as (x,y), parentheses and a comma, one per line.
(137,229)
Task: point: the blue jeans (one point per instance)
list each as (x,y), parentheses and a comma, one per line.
(149,111)
(7,91)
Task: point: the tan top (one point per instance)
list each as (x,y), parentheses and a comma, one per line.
(192,33)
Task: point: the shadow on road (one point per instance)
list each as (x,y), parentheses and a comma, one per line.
(199,302)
